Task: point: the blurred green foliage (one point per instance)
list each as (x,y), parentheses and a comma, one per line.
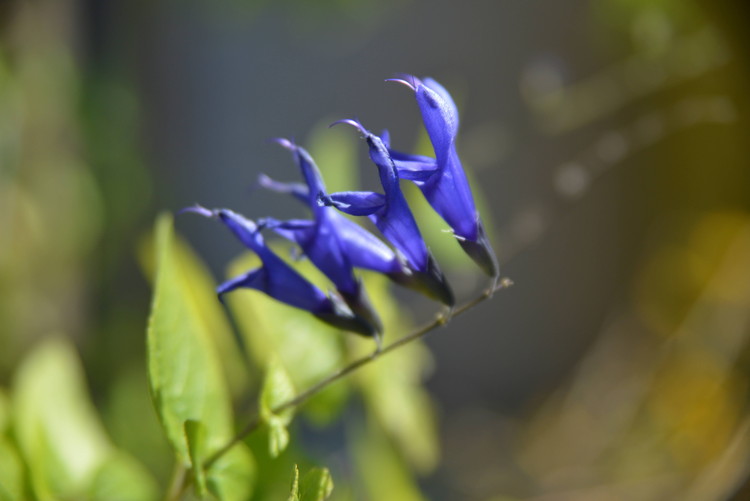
(656,410)
(286,350)
(316,485)
(59,436)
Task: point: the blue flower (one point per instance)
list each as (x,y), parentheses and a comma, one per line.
(278,280)
(442,179)
(331,242)
(392,216)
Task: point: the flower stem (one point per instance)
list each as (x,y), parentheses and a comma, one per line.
(301,398)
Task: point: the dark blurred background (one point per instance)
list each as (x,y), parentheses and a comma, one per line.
(607,140)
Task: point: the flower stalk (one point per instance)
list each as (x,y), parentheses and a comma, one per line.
(441,320)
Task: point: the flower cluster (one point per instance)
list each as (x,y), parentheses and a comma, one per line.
(336,245)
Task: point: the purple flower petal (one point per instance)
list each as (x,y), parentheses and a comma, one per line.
(355,203)
(297,190)
(446,187)
(392,216)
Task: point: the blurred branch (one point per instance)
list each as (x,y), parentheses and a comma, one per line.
(568,107)
(574,178)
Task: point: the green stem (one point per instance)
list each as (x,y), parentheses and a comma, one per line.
(180,481)
(301,398)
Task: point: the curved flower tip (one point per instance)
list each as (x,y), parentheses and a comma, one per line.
(284,143)
(198,209)
(354,123)
(404,79)
(262,181)
(442,180)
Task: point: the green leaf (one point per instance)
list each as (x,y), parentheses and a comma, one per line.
(12,476)
(233,476)
(200,287)
(277,389)
(132,422)
(203,289)
(380,468)
(121,478)
(184,368)
(185,373)
(195,432)
(294,491)
(56,427)
(278,437)
(317,485)
(4,411)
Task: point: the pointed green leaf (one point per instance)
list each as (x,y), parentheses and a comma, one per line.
(294,491)
(4,411)
(195,432)
(278,437)
(55,424)
(203,289)
(184,368)
(185,373)
(11,472)
(381,469)
(277,390)
(233,476)
(317,485)
(121,478)
(131,420)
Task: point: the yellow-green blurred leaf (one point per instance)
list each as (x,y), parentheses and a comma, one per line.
(120,478)
(4,410)
(57,429)
(12,475)
(278,436)
(294,491)
(277,389)
(132,423)
(317,485)
(200,287)
(185,370)
(382,471)
(392,387)
(184,367)
(195,432)
(233,476)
